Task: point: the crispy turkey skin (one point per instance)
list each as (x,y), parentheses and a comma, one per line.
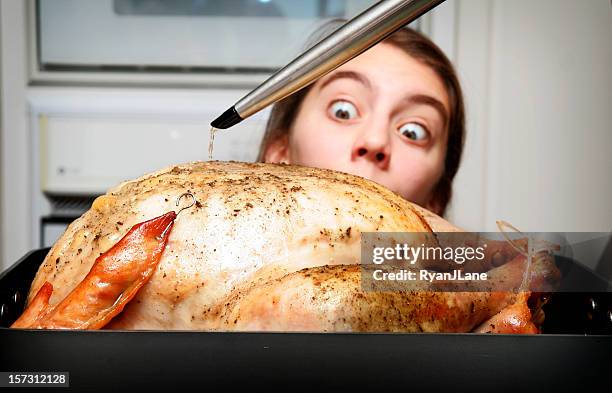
(265,247)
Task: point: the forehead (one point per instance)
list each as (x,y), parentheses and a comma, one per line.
(392,71)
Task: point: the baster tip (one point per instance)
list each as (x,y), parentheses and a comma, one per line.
(227,119)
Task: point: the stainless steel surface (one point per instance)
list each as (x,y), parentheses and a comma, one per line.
(353,38)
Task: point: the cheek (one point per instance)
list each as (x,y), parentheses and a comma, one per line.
(317,150)
(418,173)
(314,142)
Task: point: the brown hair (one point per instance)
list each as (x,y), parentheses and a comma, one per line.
(421,48)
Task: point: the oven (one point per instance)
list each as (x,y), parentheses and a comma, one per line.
(87,140)
(177,42)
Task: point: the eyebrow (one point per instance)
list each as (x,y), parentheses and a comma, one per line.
(431,101)
(412,99)
(356,76)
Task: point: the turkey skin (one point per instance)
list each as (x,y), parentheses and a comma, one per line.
(265,247)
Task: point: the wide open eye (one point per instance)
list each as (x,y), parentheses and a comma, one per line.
(414,131)
(343,110)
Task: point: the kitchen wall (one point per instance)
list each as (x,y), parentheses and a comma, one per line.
(1,119)
(538,90)
(15,187)
(538,85)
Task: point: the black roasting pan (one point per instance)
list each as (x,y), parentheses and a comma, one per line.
(573,354)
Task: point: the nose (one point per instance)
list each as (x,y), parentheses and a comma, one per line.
(373,145)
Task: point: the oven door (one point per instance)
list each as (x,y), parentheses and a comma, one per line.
(212,41)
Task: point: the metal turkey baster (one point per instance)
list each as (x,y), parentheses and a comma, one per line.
(354,37)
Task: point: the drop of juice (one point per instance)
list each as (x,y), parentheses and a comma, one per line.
(211,142)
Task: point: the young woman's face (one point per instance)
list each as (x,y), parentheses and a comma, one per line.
(382,116)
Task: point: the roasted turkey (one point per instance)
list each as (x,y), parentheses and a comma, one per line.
(265,247)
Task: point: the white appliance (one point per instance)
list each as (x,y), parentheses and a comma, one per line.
(186,42)
(119,88)
(86,140)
